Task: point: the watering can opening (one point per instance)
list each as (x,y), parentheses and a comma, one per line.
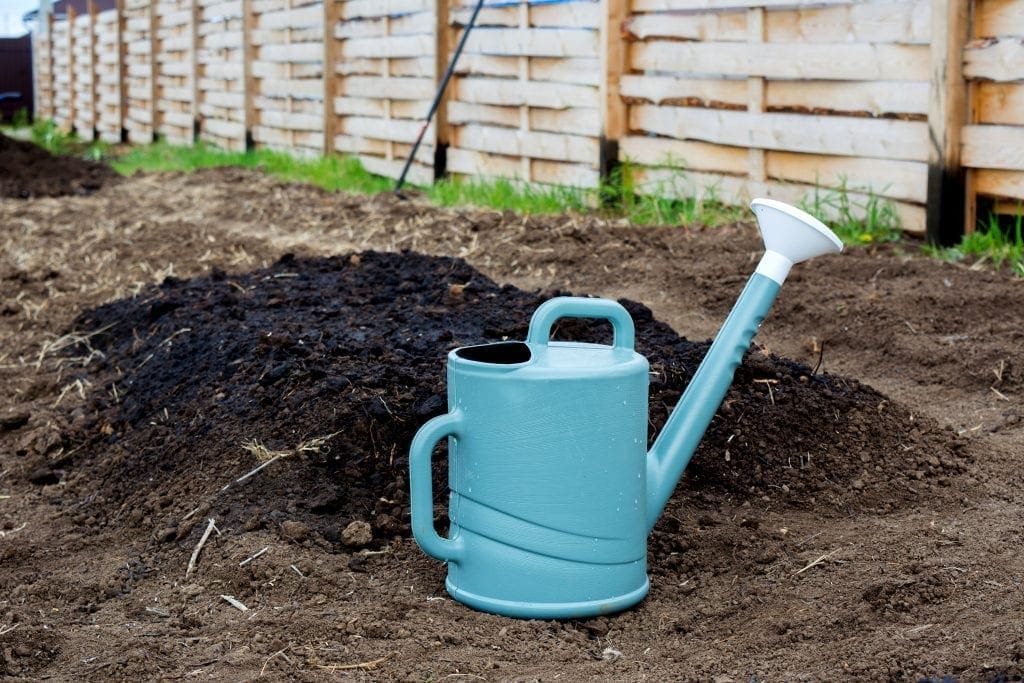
(502,353)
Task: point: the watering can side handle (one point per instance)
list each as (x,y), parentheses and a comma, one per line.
(549,312)
(421,490)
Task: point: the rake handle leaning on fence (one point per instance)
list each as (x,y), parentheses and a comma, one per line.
(437,97)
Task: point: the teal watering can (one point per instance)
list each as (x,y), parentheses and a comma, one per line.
(552,490)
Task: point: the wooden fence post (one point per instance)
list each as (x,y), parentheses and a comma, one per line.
(69,19)
(93,104)
(442,52)
(946,116)
(154,110)
(329,74)
(122,70)
(194,56)
(51,108)
(612,63)
(248,83)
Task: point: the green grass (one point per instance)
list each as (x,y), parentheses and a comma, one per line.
(330,173)
(19,119)
(857,216)
(1000,240)
(508,195)
(47,135)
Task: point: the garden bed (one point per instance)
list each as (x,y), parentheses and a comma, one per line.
(852,512)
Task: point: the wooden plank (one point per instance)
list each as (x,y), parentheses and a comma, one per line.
(533,42)
(721,26)
(289,140)
(422,66)
(359,145)
(996,147)
(394,88)
(223,40)
(576,70)
(554,146)
(290,120)
(836,61)
(872,97)
(219,9)
(363,9)
(182,69)
(1000,103)
(993,18)
(667,89)
(999,183)
(738,190)
(264,69)
(566,175)
(383,26)
(840,135)
(224,70)
(389,47)
(477,164)
(561,15)
(367,106)
(697,5)
(309,107)
(612,112)
(870,22)
(291,18)
(683,154)
(577,121)
(290,87)
(905,180)
(223,128)
(294,53)
(472,163)
(397,130)
(524,93)
(946,114)
(995,60)
(1008,206)
(880,21)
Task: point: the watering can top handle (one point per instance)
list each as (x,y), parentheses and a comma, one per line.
(549,312)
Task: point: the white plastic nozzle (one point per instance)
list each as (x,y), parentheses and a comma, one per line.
(790,236)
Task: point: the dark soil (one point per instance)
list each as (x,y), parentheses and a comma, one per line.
(355,345)
(27,170)
(159,341)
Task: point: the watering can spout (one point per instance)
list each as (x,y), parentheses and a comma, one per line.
(790,236)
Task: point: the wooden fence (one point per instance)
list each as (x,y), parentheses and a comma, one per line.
(917,102)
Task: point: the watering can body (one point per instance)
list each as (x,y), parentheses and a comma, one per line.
(547,451)
(552,489)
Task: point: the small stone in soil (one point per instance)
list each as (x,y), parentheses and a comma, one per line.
(358,534)
(296,531)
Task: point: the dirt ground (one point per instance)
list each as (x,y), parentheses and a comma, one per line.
(854,512)
(27,171)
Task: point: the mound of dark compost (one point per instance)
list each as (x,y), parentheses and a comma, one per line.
(30,171)
(194,383)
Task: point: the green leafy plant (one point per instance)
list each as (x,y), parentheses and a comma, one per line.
(858,216)
(999,240)
(50,137)
(665,202)
(20,119)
